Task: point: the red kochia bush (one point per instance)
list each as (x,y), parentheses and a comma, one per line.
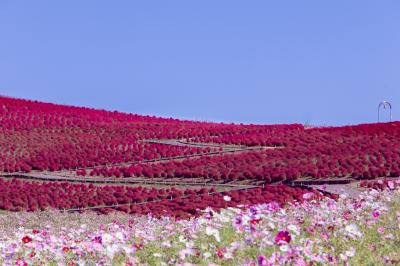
(364,151)
(381,184)
(18,195)
(43,136)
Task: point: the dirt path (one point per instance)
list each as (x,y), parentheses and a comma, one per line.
(335,185)
(140,181)
(351,190)
(71,176)
(226,149)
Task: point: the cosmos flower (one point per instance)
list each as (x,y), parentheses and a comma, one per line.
(381,230)
(283,237)
(353,231)
(220,252)
(213,232)
(308,196)
(233,229)
(375,214)
(262,260)
(21,262)
(227,198)
(26,239)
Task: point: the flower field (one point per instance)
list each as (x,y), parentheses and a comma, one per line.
(193,193)
(346,231)
(42,136)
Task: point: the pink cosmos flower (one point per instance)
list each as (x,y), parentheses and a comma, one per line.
(324,236)
(21,262)
(308,196)
(220,252)
(300,262)
(372,247)
(273,207)
(381,230)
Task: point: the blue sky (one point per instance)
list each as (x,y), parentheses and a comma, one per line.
(319,62)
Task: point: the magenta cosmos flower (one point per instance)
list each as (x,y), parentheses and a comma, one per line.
(282,237)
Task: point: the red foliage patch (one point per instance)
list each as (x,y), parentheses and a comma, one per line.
(17,195)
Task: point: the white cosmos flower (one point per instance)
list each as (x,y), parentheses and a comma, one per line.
(213,232)
(228,255)
(111,250)
(351,252)
(353,231)
(207,255)
(120,236)
(284,248)
(227,198)
(182,239)
(166,244)
(107,238)
(185,253)
(271,225)
(294,229)
(127,250)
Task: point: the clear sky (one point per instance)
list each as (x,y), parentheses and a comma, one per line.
(318,62)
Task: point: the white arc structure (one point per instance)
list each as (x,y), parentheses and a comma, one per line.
(385,105)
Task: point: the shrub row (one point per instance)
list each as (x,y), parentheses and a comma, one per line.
(18,195)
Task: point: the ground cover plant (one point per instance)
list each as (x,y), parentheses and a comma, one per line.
(19,195)
(360,231)
(364,151)
(267,224)
(380,184)
(43,136)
